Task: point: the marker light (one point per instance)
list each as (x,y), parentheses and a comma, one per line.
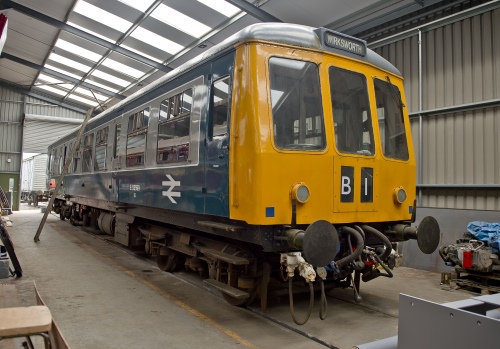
(300,192)
(399,195)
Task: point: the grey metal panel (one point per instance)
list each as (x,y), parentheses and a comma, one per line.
(39,134)
(11,104)
(38,107)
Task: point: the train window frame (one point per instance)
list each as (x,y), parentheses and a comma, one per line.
(101,149)
(306,103)
(175,113)
(394,143)
(76,163)
(352,120)
(87,153)
(219,122)
(137,131)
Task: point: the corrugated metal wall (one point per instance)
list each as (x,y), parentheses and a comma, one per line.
(460,65)
(13,107)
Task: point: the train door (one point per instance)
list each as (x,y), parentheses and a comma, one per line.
(116,157)
(217,138)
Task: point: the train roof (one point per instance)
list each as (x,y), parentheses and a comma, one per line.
(281,33)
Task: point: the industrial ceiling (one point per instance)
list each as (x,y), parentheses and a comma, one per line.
(94,53)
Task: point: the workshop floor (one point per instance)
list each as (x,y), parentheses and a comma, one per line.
(104,297)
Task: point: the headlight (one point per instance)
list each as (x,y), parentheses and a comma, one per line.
(300,192)
(399,195)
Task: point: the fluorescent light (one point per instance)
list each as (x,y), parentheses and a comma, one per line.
(111,78)
(125,69)
(84,91)
(156,40)
(180,21)
(141,5)
(102,16)
(68,62)
(77,50)
(221,6)
(83,100)
(52,89)
(63,71)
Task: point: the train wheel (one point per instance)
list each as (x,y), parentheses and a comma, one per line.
(169,261)
(62,215)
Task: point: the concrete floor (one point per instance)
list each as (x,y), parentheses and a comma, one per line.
(104,297)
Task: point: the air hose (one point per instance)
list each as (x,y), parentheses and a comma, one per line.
(323,307)
(387,270)
(311,302)
(381,236)
(360,244)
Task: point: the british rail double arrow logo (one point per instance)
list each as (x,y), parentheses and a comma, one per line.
(171,183)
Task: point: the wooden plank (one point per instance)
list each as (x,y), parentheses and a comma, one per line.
(23,321)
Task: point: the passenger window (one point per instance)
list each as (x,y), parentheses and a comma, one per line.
(76,158)
(116,145)
(351,112)
(220,106)
(296,105)
(101,144)
(136,138)
(88,142)
(174,128)
(391,121)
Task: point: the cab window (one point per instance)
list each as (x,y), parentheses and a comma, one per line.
(296,102)
(391,121)
(351,113)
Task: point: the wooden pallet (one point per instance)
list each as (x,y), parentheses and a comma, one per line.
(483,283)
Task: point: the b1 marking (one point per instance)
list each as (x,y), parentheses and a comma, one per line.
(171,183)
(347,184)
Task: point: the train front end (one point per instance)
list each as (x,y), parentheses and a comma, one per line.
(322,156)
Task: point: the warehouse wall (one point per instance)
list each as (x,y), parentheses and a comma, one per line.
(460,66)
(459,164)
(13,107)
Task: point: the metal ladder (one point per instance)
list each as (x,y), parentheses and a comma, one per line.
(4,203)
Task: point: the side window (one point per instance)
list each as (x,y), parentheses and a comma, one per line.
(101,144)
(61,160)
(76,158)
(174,128)
(54,161)
(220,106)
(136,137)
(116,144)
(351,112)
(88,143)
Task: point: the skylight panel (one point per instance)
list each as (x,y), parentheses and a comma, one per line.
(86,92)
(90,31)
(77,50)
(180,21)
(125,69)
(111,78)
(156,40)
(142,5)
(221,6)
(68,62)
(83,100)
(142,53)
(49,79)
(101,85)
(53,90)
(63,71)
(102,16)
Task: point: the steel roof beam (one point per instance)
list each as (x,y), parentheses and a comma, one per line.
(60,75)
(43,97)
(8,4)
(254,11)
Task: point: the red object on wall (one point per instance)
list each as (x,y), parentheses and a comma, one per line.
(467,262)
(3,30)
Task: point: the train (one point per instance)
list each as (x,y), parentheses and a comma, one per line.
(280,160)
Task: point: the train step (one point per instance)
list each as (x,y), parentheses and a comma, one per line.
(220,226)
(226,257)
(232,291)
